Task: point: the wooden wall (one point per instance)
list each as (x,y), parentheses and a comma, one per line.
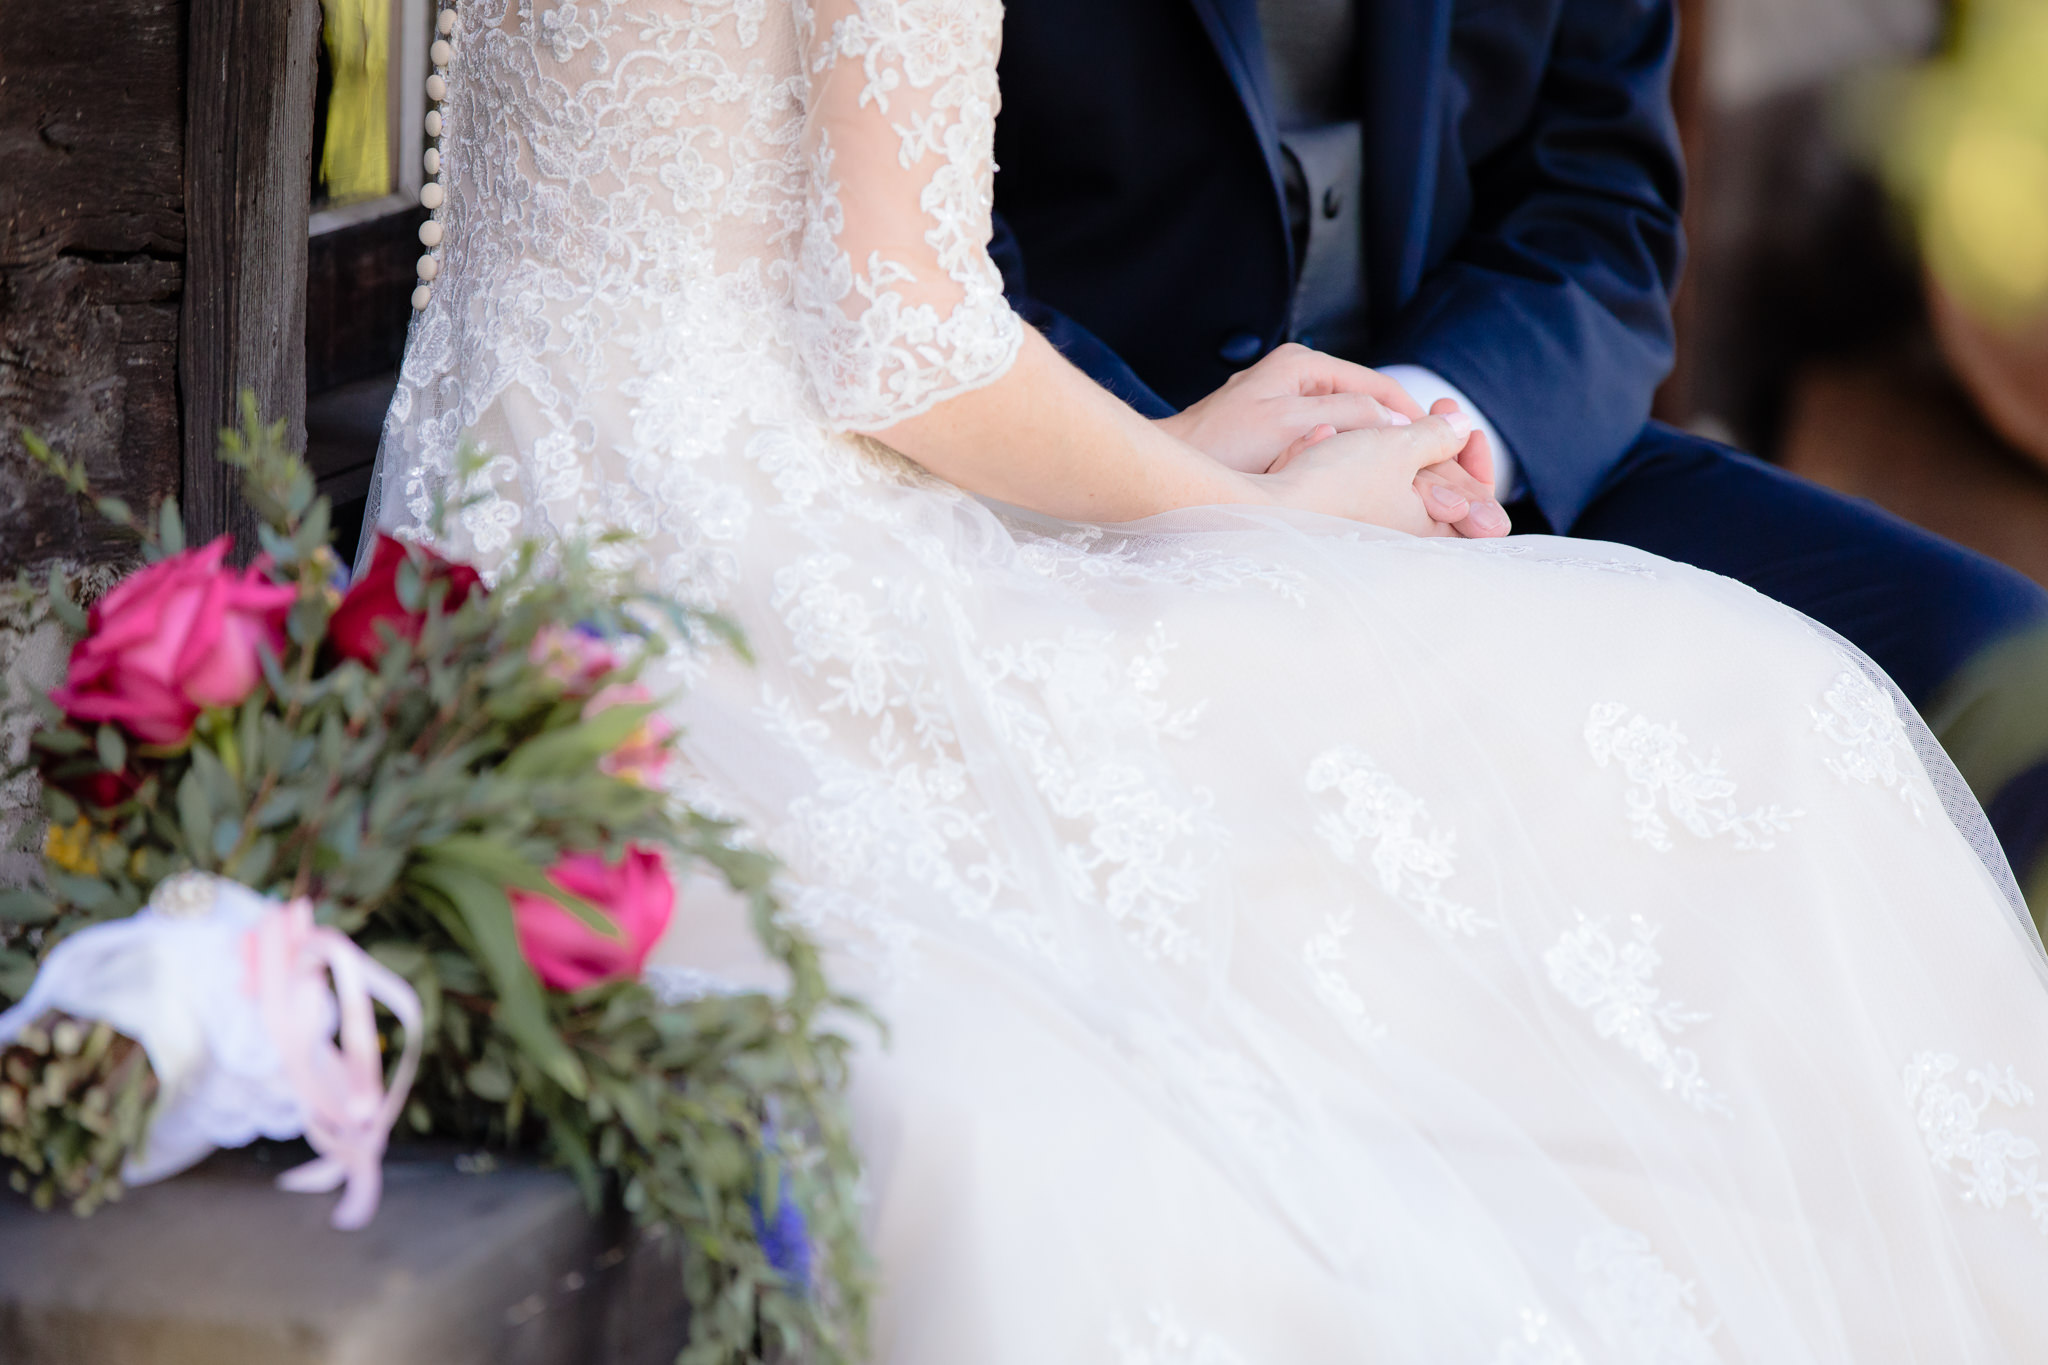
(92,247)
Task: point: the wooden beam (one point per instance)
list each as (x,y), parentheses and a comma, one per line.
(248,167)
(92,241)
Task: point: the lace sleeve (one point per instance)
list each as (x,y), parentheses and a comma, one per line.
(899,306)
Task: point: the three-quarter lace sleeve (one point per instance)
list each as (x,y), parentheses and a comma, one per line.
(899,306)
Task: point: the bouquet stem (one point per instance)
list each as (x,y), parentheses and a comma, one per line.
(74,1102)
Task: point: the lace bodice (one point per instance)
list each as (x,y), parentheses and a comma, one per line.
(693,206)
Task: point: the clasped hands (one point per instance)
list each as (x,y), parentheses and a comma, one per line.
(1325,435)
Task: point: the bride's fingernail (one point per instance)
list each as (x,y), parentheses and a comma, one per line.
(1459,422)
(1444,497)
(1399,419)
(1488,516)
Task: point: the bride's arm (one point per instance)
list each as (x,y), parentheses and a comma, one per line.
(906,334)
(1047,437)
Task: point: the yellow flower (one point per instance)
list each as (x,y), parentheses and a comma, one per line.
(70,847)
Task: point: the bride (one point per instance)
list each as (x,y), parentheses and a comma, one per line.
(1307,935)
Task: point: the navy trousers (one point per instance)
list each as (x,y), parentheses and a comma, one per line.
(1959,633)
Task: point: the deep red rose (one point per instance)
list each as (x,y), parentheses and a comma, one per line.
(103,788)
(373,598)
(171,640)
(567,954)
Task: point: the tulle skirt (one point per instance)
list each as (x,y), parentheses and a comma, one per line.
(1307,943)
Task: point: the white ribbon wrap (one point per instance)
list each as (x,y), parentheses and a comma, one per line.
(227,992)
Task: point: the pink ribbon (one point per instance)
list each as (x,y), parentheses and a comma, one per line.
(349,1112)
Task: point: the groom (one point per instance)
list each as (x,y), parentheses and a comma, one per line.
(1481,199)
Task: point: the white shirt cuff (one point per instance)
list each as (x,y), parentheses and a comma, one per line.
(1426,386)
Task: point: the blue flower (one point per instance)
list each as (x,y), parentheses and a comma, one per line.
(786,1241)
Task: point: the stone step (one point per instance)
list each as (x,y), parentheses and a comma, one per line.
(502,1266)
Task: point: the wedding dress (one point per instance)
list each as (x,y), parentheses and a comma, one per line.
(1267,982)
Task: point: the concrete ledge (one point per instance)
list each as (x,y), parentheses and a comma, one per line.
(217,1267)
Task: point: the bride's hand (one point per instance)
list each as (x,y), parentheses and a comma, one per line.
(1294,397)
(1369,474)
(1261,411)
(1460,492)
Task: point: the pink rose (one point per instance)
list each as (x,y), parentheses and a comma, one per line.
(567,954)
(643,754)
(571,659)
(372,600)
(171,640)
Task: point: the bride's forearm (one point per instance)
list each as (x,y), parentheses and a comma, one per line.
(1048,438)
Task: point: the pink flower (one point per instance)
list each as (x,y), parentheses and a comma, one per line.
(643,754)
(565,953)
(372,600)
(171,640)
(571,659)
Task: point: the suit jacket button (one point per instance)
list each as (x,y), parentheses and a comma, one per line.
(1241,348)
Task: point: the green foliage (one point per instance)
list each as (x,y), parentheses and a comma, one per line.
(405,799)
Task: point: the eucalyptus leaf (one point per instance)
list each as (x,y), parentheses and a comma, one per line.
(17,972)
(275,545)
(495,861)
(26,906)
(278,808)
(67,612)
(522,1011)
(113,749)
(489,1080)
(88,893)
(170,527)
(195,813)
(59,805)
(251,866)
(578,747)
(64,741)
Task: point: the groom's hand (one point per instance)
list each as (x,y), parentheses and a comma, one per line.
(1295,397)
(1271,407)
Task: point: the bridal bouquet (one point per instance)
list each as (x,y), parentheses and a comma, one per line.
(325,857)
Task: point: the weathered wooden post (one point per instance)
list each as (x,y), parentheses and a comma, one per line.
(248,167)
(92,261)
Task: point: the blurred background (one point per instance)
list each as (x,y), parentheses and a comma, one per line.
(1867,297)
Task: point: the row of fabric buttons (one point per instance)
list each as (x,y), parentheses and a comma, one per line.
(433,194)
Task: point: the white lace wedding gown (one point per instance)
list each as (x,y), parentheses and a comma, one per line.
(1302,943)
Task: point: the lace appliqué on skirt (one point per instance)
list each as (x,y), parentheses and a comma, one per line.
(1659,762)
(1875,751)
(1614,984)
(1992,1165)
(1322,954)
(1410,855)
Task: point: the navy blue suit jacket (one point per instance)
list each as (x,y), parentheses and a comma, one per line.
(1523,181)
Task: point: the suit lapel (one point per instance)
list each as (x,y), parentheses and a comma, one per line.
(1233,28)
(1405,46)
